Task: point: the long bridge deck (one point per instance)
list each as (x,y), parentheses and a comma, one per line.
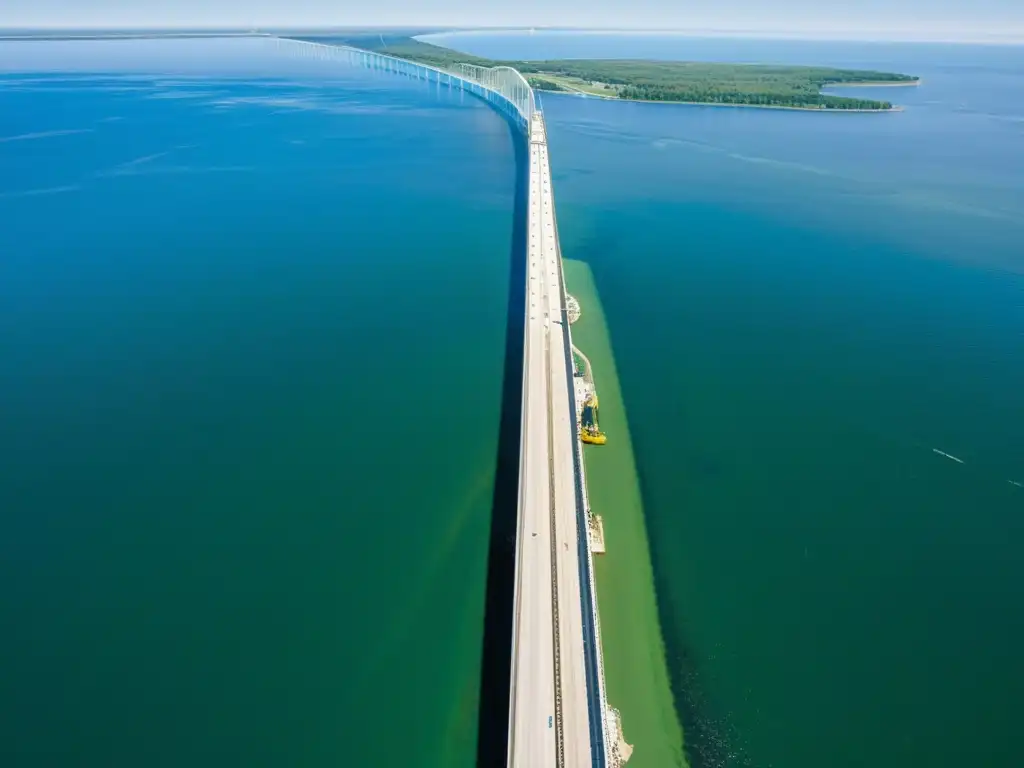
(558,714)
(550,717)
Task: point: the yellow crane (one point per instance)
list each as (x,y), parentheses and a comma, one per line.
(590,432)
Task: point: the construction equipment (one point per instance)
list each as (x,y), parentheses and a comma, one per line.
(590,432)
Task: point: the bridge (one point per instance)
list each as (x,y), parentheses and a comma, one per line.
(558,712)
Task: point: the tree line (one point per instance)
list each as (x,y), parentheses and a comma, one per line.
(711,95)
(754,84)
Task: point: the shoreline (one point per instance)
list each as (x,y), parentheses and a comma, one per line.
(874,84)
(893,108)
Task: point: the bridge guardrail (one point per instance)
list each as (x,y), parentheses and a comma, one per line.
(503,86)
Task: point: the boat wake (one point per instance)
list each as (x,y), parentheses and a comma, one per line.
(948,456)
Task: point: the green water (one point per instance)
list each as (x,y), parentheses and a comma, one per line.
(810,546)
(253,348)
(830,587)
(252,338)
(636,675)
(803,309)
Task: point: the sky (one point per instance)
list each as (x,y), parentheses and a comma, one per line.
(868,19)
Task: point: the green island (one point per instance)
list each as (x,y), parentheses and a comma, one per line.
(751,85)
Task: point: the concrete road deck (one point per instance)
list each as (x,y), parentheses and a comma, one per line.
(549,714)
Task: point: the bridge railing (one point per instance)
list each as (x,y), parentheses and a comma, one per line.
(506,81)
(504,87)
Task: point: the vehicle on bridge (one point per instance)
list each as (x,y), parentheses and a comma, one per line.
(590,432)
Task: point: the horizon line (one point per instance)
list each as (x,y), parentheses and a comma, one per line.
(825,35)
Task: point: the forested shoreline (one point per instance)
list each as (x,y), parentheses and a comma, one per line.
(797,87)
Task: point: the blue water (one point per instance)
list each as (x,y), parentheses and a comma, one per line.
(252,330)
(251,319)
(954,152)
(803,308)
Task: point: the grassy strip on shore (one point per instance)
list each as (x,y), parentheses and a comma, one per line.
(634,653)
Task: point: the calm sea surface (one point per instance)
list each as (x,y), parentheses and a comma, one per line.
(803,309)
(252,328)
(252,313)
